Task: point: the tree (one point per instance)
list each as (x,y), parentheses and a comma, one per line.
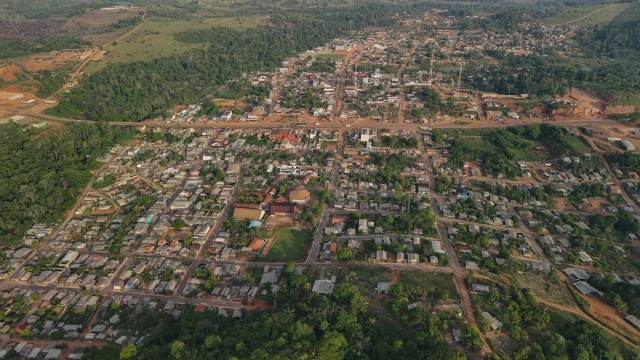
(212,341)
(331,346)
(177,349)
(345,254)
(128,351)
(472,339)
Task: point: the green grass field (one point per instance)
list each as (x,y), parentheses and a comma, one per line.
(330,56)
(156,39)
(439,285)
(588,15)
(289,244)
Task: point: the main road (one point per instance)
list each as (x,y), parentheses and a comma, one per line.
(265,123)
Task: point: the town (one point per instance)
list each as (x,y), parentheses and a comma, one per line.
(374,155)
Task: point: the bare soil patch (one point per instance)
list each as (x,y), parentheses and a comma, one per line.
(55,60)
(10,72)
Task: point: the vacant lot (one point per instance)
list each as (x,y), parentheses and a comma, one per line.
(156,39)
(437,285)
(52,61)
(289,244)
(9,72)
(541,287)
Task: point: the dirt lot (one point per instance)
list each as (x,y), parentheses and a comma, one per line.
(229,103)
(9,72)
(562,204)
(55,60)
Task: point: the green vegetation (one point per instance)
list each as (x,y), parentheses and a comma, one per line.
(618,38)
(305,326)
(584,16)
(533,332)
(43,174)
(538,74)
(289,244)
(499,149)
(139,90)
(324,65)
(103,182)
(519,194)
(389,169)
(132,214)
(49,83)
(15,48)
(621,295)
(51,9)
(239,89)
(241,233)
(627,161)
(156,38)
(432,103)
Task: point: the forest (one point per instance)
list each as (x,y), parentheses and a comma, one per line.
(140,90)
(620,38)
(43,173)
(14,48)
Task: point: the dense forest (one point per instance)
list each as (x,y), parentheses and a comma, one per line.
(43,173)
(140,90)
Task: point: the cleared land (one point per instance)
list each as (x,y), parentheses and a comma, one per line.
(157,38)
(289,244)
(588,15)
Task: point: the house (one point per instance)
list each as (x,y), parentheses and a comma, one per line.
(248,214)
(323,286)
(381,255)
(576,274)
(471,265)
(633,320)
(436,246)
(493,322)
(586,288)
(383,287)
(584,257)
(480,288)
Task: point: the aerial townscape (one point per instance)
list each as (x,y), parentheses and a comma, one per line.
(320,179)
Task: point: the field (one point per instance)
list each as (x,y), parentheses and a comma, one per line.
(588,15)
(97,19)
(156,39)
(541,287)
(437,285)
(335,56)
(55,60)
(289,244)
